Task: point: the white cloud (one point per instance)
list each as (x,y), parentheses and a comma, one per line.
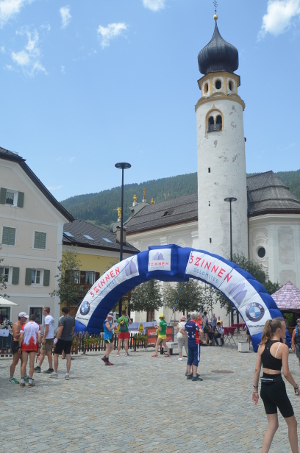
(46,27)
(110,32)
(29,57)
(9,8)
(65,16)
(63,70)
(154,5)
(279,17)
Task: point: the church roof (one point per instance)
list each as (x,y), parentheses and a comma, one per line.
(85,234)
(268,195)
(287,297)
(218,55)
(166,213)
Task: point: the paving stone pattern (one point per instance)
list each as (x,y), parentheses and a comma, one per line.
(140,405)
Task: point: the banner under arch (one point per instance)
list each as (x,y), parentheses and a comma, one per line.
(172,263)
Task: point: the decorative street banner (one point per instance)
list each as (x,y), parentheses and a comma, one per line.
(172,263)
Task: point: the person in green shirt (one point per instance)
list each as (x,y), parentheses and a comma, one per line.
(162,335)
(123,321)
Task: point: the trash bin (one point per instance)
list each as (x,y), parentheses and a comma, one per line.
(243,346)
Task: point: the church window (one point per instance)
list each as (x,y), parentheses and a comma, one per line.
(230,85)
(211,123)
(208,169)
(218,84)
(219,123)
(261,252)
(210,240)
(206,88)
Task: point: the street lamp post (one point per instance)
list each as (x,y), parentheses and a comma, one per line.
(230,200)
(123,166)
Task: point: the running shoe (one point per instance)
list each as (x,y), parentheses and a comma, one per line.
(127,355)
(31,385)
(198,378)
(13,381)
(26,378)
(103,358)
(22,384)
(67,377)
(108,363)
(118,355)
(38,369)
(49,371)
(189,376)
(53,375)
(180,358)
(155,355)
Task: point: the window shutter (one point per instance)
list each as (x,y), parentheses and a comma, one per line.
(39,240)
(8,236)
(15,275)
(97,276)
(28,275)
(20,203)
(2,195)
(82,277)
(46,277)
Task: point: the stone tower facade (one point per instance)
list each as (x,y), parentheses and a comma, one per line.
(221,151)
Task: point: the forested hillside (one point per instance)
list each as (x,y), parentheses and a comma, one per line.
(100,208)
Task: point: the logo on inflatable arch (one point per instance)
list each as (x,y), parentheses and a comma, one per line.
(85,308)
(255,311)
(159,259)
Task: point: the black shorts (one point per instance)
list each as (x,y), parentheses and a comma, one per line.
(274,395)
(15,347)
(63,345)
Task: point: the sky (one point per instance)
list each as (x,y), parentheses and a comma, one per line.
(87,84)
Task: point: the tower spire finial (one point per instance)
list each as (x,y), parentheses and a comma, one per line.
(216,6)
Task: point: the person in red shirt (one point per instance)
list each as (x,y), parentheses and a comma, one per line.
(30,343)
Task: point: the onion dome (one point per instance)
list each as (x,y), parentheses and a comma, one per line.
(218,55)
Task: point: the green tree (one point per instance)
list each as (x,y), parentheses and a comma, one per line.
(146,296)
(69,290)
(190,297)
(256,270)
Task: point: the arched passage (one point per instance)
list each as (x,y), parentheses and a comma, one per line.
(172,263)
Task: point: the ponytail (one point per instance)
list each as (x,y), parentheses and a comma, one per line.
(270,328)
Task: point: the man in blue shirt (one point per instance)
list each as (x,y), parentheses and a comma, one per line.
(194,334)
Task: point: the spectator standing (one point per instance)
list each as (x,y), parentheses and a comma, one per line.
(16,348)
(213,322)
(63,341)
(161,335)
(219,334)
(194,334)
(182,336)
(296,340)
(123,321)
(220,321)
(30,343)
(47,341)
(205,327)
(108,337)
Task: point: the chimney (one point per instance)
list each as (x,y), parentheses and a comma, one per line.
(119,234)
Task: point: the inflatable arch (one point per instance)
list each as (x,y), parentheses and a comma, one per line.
(172,263)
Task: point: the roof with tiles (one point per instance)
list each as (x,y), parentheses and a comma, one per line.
(287,297)
(266,195)
(85,234)
(9,155)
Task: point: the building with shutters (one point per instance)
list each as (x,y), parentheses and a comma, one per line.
(31,228)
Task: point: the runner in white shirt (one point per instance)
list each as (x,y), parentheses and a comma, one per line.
(30,342)
(47,343)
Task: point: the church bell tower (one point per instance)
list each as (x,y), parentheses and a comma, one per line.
(221,150)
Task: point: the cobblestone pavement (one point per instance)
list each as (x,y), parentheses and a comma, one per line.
(141,404)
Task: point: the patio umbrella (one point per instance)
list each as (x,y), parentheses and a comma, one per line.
(6,303)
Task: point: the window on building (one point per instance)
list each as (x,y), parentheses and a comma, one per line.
(8,236)
(218,84)
(11,197)
(230,85)
(38,312)
(261,252)
(4,271)
(89,277)
(211,123)
(215,123)
(4,314)
(39,240)
(37,277)
(206,88)
(219,123)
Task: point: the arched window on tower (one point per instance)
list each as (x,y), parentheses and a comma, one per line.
(211,123)
(219,123)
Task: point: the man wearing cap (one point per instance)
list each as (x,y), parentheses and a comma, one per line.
(161,335)
(16,349)
(108,337)
(63,341)
(296,339)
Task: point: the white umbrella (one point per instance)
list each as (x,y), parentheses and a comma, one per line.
(6,303)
